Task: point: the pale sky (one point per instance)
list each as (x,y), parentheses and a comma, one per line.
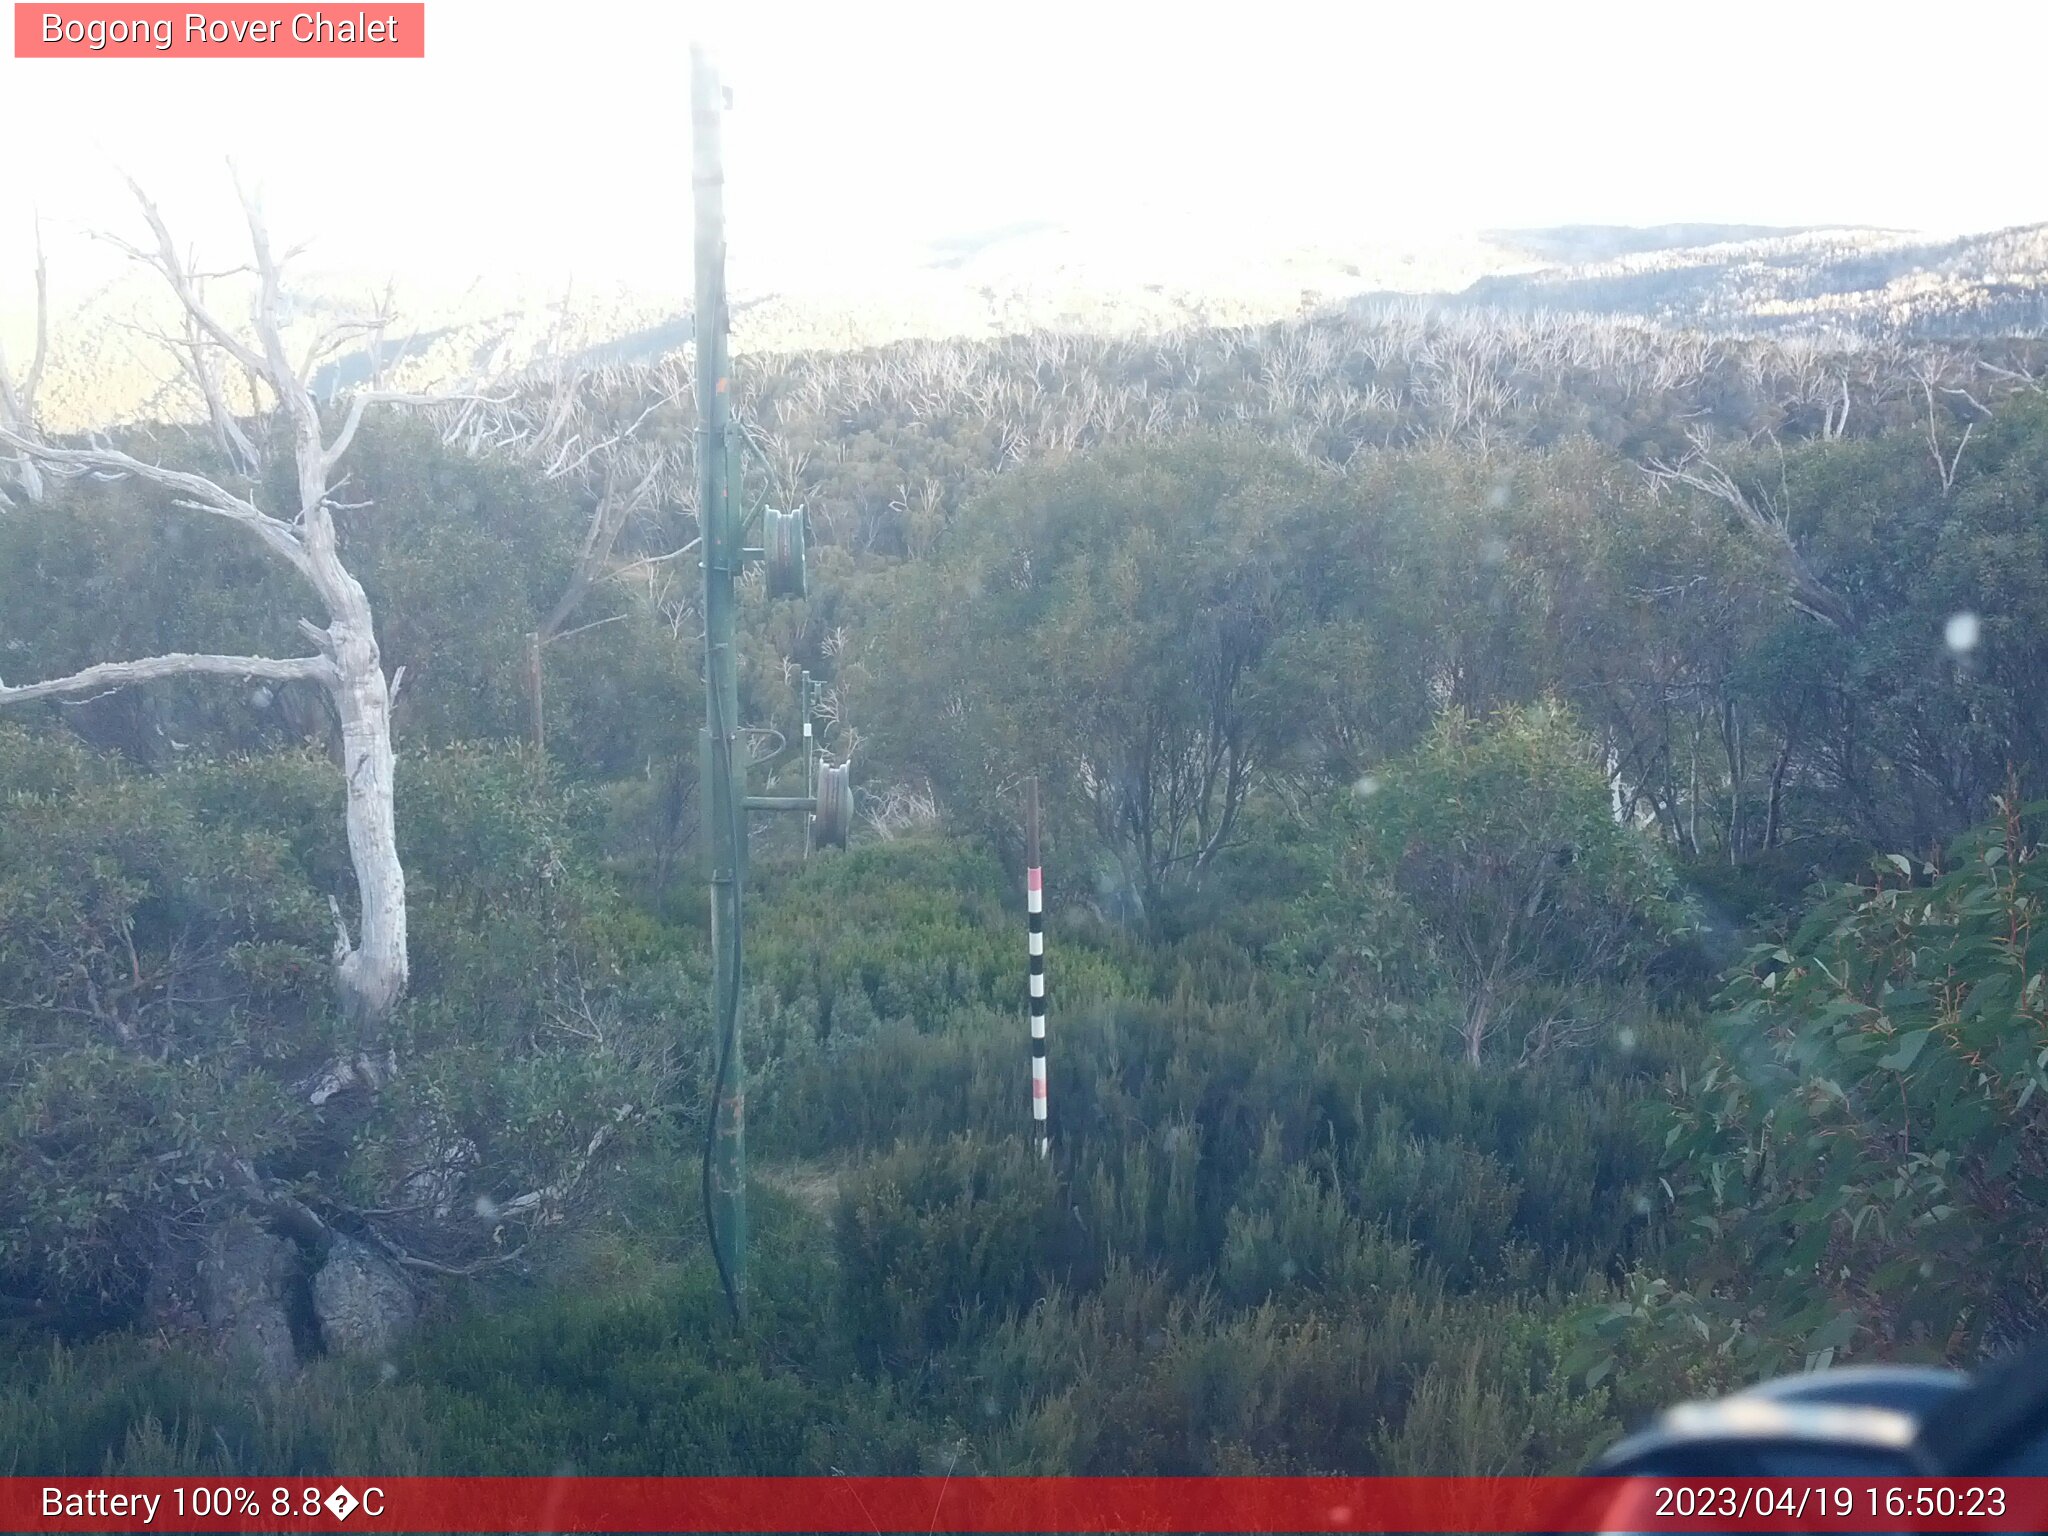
(554,136)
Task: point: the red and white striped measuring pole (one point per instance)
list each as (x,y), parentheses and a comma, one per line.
(1034,906)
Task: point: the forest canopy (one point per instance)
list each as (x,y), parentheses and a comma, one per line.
(1541,857)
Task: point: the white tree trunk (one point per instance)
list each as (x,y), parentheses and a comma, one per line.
(372,975)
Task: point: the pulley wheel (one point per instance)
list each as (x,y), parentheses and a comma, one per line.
(834,817)
(782,544)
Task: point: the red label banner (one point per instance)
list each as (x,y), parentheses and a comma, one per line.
(226,31)
(1019,1504)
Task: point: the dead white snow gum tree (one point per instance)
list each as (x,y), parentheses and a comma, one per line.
(371,968)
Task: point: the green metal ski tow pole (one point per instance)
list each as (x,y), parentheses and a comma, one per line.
(725,1162)
(828,787)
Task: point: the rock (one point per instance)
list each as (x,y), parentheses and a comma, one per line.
(173,1301)
(245,1286)
(363,1303)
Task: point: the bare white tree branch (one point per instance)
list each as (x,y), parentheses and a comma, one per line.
(192,491)
(363,399)
(1698,471)
(109,675)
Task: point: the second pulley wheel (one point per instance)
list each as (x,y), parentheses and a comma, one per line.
(834,817)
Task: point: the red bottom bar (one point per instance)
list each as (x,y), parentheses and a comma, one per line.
(1019,1504)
